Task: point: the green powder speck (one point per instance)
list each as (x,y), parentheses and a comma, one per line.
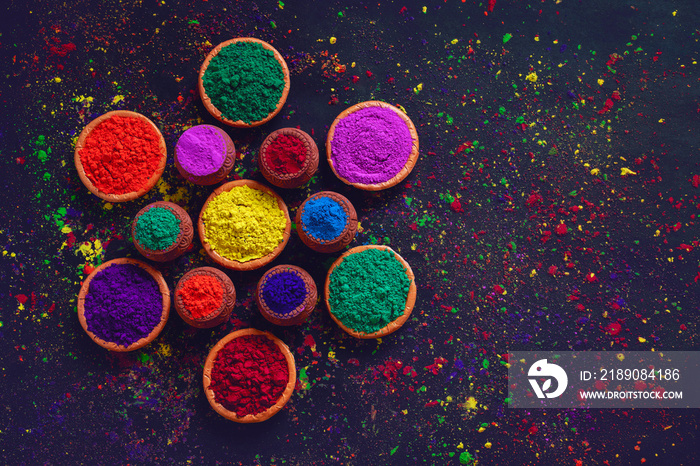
(368,290)
(244,81)
(157,229)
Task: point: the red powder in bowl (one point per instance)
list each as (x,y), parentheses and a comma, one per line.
(121,154)
(201,295)
(286,154)
(249,375)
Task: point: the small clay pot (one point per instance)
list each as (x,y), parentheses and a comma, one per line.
(217,316)
(302,312)
(412,158)
(158,171)
(184,239)
(254,263)
(335,244)
(216,113)
(162,286)
(222,172)
(272,410)
(290,180)
(391,326)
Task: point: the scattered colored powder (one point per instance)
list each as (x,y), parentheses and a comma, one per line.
(123,304)
(201,295)
(283,292)
(121,154)
(157,229)
(244,81)
(285,154)
(368,290)
(370,145)
(201,150)
(323,218)
(244,224)
(249,375)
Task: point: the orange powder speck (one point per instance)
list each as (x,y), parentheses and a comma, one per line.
(201,295)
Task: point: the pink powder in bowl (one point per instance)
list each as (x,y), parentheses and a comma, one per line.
(201,150)
(370,146)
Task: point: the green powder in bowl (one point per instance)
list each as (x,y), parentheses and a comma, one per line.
(370,291)
(244,82)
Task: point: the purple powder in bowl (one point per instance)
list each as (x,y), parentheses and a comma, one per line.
(370,146)
(201,150)
(123,304)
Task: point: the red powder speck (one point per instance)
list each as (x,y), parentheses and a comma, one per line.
(121,154)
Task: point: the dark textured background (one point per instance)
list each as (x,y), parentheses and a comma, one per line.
(473,215)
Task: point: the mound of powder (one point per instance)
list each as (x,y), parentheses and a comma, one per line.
(244,224)
(370,146)
(201,150)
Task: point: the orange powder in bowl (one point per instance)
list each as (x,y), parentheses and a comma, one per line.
(201,295)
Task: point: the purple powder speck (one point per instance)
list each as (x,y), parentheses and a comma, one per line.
(371,145)
(201,150)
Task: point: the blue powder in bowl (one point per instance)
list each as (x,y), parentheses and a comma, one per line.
(323,218)
(284,292)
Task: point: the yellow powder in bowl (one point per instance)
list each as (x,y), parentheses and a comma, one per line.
(243,224)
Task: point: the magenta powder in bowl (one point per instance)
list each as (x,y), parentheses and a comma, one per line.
(370,145)
(204,154)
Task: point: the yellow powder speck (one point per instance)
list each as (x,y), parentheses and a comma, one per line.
(627,171)
(532,77)
(470,403)
(333,40)
(642,339)
(454,41)
(243,224)
(165,349)
(487,445)
(600,82)
(620,357)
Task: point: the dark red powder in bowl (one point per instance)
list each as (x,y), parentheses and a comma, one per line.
(286,154)
(121,154)
(249,375)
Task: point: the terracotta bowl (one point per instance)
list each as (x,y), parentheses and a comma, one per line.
(274,409)
(412,158)
(290,180)
(251,264)
(391,326)
(217,316)
(156,330)
(336,244)
(184,239)
(221,173)
(158,171)
(216,113)
(302,312)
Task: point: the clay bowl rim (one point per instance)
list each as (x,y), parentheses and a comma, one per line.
(126,196)
(254,263)
(215,111)
(412,157)
(350,212)
(272,410)
(210,272)
(162,204)
(274,271)
(164,291)
(395,324)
